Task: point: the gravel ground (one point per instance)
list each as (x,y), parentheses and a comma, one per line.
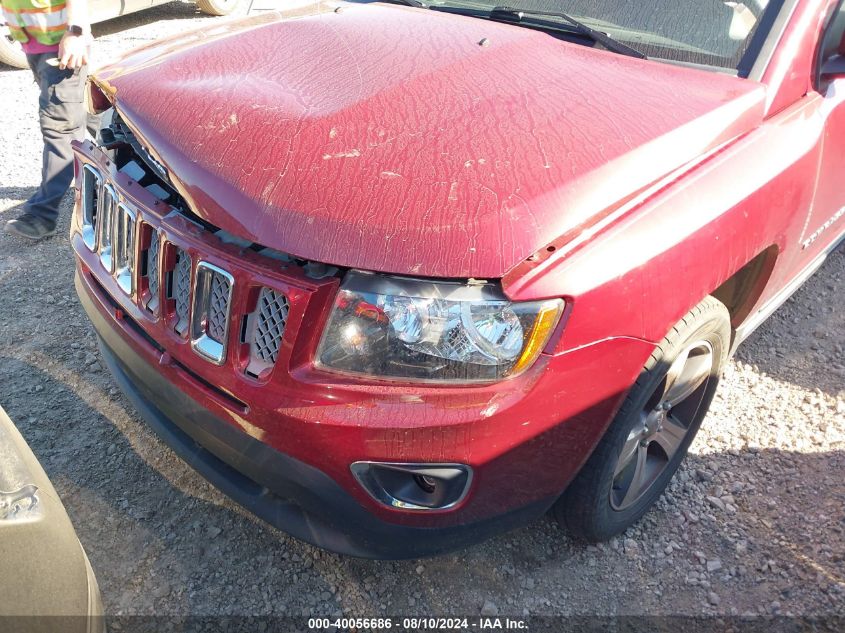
(753,523)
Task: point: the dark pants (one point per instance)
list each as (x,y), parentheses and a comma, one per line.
(61,113)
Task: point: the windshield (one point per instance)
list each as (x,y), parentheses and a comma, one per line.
(708,32)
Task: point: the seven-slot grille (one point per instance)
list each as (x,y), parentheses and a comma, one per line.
(202,310)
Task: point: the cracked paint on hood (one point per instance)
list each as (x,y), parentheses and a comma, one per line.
(387,138)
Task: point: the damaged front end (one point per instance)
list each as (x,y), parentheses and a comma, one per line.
(379,327)
(184,286)
(272,362)
(132,158)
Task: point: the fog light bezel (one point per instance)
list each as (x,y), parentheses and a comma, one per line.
(365,473)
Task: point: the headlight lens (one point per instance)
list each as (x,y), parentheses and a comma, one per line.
(393,327)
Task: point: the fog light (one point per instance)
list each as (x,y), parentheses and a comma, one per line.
(426,483)
(414,486)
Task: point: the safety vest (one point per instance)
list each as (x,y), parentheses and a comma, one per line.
(43,20)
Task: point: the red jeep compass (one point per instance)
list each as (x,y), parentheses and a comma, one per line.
(397,278)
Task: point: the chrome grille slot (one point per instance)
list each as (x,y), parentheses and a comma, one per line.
(264,330)
(92,184)
(210,316)
(179,289)
(124,248)
(152,271)
(105,225)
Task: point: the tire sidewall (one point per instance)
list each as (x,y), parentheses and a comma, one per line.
(219,7)
(10,54)
(605,521)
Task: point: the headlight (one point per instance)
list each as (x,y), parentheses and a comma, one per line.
(393,327)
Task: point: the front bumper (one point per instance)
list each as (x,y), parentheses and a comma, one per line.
(287,493)
(311,505)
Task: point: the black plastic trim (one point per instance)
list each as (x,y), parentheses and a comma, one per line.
(766,39)
(819,69)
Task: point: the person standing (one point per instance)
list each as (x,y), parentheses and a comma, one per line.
(56,37)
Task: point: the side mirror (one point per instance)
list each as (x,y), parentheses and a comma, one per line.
(834,68)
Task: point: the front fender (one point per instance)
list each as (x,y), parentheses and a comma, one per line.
(638,275)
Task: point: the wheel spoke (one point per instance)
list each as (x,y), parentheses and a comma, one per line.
(663,425)
(671,436)
(675,370)
(638,480)
(688,377)
(628,451)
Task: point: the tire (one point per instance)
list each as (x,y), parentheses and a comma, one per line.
(649,437)
(11,52)
(218,7)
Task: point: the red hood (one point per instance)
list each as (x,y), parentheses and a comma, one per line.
(386,138)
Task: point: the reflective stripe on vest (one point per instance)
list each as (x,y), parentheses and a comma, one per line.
(43,20)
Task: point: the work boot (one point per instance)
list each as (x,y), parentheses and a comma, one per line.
(30,227)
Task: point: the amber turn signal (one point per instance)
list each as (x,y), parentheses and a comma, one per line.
(541,331)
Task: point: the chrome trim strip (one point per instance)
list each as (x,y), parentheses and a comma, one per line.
(124,235)
(201,342)
(105,226)
(89,233)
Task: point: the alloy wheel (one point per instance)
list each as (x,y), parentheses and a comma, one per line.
(663,425)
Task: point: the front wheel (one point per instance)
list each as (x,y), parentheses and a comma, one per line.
(650,435)
(11,51)
(218,7)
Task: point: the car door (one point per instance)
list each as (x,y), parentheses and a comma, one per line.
(826,219)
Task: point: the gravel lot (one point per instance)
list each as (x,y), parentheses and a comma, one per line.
(753,524)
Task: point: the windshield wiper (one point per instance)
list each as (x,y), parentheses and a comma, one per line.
(510,14)
(408,3)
